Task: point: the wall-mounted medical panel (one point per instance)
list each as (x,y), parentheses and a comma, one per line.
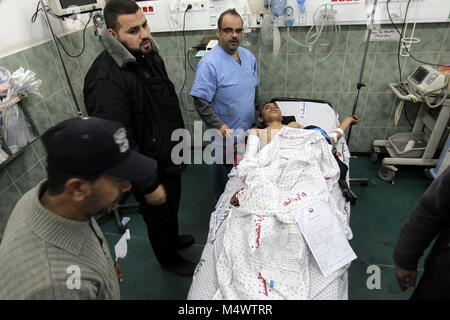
(172,15)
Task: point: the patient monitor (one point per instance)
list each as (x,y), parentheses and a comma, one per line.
(69,7)
(425,79)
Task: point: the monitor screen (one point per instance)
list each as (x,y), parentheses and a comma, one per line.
(75,3)
(419,75)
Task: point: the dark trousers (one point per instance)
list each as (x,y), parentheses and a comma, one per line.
(219,175)
(162,222)
(219,172)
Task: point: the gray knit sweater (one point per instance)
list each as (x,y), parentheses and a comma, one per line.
(44,256)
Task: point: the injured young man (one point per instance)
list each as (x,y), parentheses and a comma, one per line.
(270,120)
(285,235)
(271,117)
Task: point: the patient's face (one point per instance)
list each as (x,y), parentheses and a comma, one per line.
(271,112)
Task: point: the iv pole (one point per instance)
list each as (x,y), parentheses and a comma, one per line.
(363,181)
(363,64)
(44,8)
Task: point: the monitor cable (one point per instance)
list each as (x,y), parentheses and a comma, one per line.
(189,7)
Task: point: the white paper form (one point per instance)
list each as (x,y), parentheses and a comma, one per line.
(277,257)
(325,239)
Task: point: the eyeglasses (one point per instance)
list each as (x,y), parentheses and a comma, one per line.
(229,31)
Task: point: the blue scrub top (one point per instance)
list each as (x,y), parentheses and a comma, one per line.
(228,85)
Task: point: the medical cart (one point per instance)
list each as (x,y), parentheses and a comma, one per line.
(418,147)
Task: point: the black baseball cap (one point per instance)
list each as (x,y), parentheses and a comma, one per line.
(90,145)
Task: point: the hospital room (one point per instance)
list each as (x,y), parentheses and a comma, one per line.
(203,151)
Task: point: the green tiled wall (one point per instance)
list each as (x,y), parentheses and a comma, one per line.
(28,168)
(293,73)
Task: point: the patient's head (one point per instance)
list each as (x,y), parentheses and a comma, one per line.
(270,112)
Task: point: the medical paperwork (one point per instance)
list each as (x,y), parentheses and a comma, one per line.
(325,239)
(277,257)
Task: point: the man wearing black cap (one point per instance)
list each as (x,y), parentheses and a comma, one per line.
(128,82)
(52,248)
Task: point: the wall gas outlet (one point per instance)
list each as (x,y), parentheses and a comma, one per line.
(302,18)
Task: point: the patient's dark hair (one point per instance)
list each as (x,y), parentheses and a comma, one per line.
(262,106)
(115,8)
(56,180)
(261,125)
(229,11)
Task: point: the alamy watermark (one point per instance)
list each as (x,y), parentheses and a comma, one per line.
(374,280)
(219,150)
(74,280)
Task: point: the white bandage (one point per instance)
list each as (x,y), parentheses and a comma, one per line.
(340,131)
(252,147)
(333,136)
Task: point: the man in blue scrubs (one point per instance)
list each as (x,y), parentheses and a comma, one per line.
(225,91)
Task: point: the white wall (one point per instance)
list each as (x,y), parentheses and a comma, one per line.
(17,31)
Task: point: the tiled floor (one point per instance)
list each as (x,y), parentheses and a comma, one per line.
(143,277)
(376,219)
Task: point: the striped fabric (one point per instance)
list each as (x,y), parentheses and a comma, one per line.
(45,256)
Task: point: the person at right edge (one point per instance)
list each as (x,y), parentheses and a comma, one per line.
(128,83)
(225,91)
(429,219)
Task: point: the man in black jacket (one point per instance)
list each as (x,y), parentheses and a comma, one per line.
(128,82)
(429,219)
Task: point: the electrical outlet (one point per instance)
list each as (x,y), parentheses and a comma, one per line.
(199,5)
(180,6)
(260,18)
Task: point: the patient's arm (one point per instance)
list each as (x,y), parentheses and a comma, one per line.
(339,131)
(253,143)
(234,200)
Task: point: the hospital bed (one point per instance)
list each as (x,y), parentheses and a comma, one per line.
(222,273)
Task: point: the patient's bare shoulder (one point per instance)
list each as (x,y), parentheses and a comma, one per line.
(254,131)
(294,124)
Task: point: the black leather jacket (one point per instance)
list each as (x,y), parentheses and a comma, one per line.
(145,102)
